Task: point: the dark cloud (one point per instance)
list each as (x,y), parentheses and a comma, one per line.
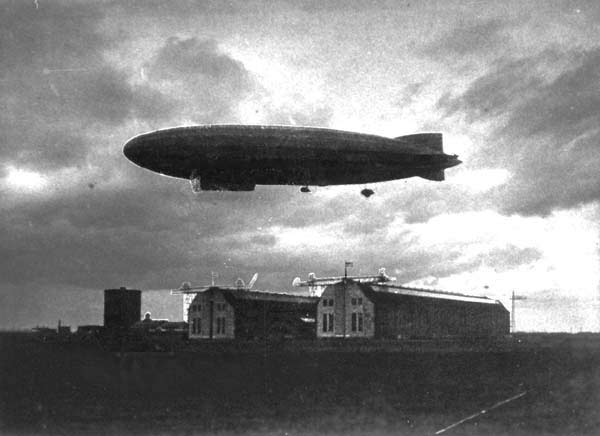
(99,96)
(94,238)
(445,262)
(425,200)
(505,85)
(46,149)
(186,59)
(185,8)
(106,97)
(404,253)
(212,81)
(469,39)
(149,105)
(54,36)
(264,240)
(56,124)
(316,6)
(60,253)
(565,108)
(59,91)
(545,129)
(509,257)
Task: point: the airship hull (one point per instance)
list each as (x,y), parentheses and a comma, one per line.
(237,157)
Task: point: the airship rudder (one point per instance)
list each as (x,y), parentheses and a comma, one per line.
(431,144)
(427,142)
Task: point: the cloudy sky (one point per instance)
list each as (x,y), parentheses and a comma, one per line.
(514,87)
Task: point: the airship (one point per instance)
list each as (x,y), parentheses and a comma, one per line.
(239,157)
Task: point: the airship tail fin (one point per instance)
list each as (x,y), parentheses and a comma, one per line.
(437,175)
(431,142)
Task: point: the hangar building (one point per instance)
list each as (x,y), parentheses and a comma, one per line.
(350,308)
(226,313)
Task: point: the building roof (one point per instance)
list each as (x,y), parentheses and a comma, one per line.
(392,292)
(245,294)
(431,293)
(280,297)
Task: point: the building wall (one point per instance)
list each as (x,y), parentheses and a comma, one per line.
(418,317)
(248,318)
(259,319)
(215,318)
(347,299)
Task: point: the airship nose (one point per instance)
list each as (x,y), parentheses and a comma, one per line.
(131,150)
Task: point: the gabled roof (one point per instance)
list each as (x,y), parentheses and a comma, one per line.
(388,292)
(430,293)
(281,297)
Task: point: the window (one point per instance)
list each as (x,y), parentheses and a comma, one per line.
(354,301)
(331,302)
(196,326)
(360,301)
(325,302)
(328,302)
(220,325)
(220,307)
(328,322)
(357,322)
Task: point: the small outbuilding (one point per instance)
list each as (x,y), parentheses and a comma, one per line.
(353,309)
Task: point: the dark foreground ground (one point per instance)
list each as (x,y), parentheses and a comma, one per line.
(73,388)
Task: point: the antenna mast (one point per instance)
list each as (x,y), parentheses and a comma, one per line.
(513,321)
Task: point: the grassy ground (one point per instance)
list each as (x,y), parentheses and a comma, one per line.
(73,388)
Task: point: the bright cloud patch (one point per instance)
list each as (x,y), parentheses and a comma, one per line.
(24,181)
(481,180)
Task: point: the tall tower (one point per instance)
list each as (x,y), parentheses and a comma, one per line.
(122,308)
(513,321)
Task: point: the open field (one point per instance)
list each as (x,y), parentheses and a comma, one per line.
(305,388)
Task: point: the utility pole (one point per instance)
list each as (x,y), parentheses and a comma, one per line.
(344,291)
(513,321)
